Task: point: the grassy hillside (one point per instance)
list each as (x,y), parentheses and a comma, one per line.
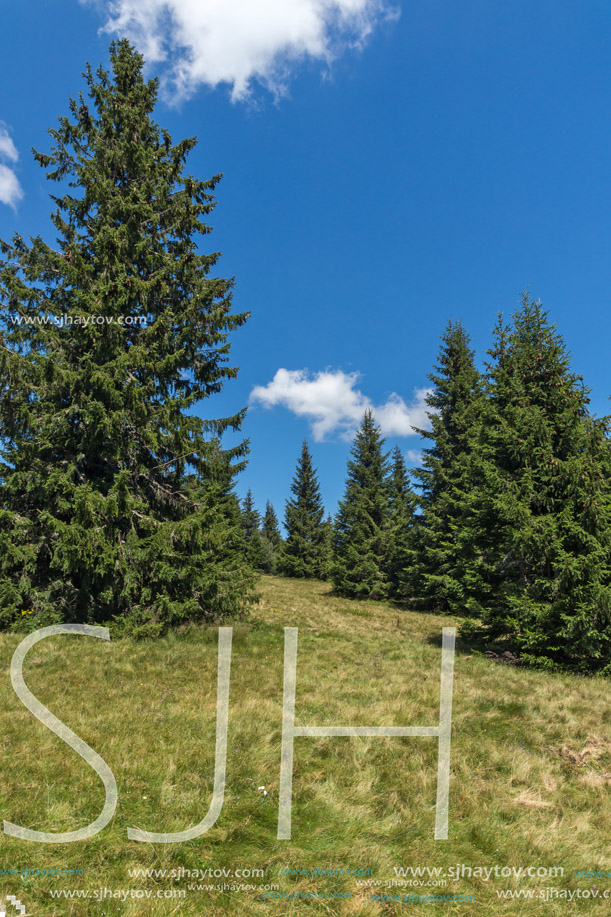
(530,768)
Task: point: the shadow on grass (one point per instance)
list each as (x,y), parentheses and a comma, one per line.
(499,649)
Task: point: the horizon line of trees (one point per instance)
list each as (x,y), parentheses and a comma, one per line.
(508,520)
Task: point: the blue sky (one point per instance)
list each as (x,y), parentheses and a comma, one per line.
(387,166)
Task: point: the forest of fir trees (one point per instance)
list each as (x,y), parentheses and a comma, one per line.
(506,523)
(119,505)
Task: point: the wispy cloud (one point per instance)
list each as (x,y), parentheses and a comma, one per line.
(10,189)
(414,457)
(7,147)
(332,403)
(238,42)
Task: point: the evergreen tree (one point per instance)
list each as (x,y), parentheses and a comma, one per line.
(270,527)
(328,546)
(116,499)
(271,540)
(251,523)
(438,571)
(251,517)
(402,508)
(304,548)
(539,519)
(360,537)
(268,558)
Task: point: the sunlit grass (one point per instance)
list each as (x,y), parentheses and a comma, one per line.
(530,767)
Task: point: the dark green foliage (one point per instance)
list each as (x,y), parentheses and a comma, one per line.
(437,574)
(271,541)
(270,527)
(304,548)
(251,517)
(401,521)
(360,535)
(116,500)
(251,523)
(268,557)
(328,546)
(539,519)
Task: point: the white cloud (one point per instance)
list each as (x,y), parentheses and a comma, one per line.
(414,457)
(10,189)
(240,41)
(333,404)
(396,418)
(7,147)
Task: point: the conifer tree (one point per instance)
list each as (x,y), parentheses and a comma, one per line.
(251,522)
(399,548)
(361,524)
(304,549)
(539,518)
(328,546)
(271,540)
(251,517)
(117,501)
(270,527)
(268,558)
(437,574)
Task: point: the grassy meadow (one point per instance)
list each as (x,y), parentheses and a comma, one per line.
(530,767)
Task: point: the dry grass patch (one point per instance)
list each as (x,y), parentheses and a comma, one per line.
(529,766)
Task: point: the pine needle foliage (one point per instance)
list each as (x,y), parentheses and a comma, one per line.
(270,527)
(251,523)
(117,500)
(538,519)
(361,524)
(271,541)
(437,574)
(304,553)
(401,525)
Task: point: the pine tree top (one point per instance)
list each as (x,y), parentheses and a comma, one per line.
(368,460)
(530,361)
(455,380)
(120,324)
(367,470)
(305,488)
(251,516)
(401,494)
(117,497)
(270,527)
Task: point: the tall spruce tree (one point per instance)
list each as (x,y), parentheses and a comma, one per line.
(361,525)
(401,521)
(271,540)
(251,517)
(539,519)
(437,574)
(270,527)
(116,500)
(304,549)
(251,522)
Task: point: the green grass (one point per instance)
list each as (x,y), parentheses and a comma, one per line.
(530,765)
